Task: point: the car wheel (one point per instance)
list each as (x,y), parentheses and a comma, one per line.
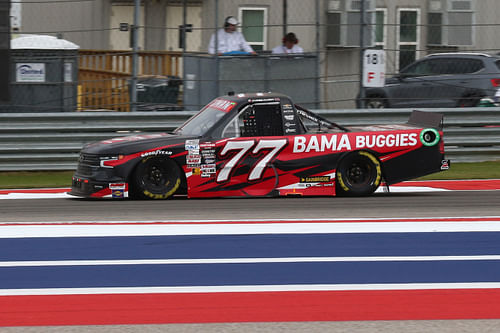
(155,178)
(375,103)
(359,173)
(469,101)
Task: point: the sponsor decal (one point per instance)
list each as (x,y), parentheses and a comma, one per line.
(321,143)
(207,167)
(196,171)
(156,152)
(289,117)
(386,140)
(222,104)
(259,100)
(193,159)
(290,130)
(315,179)
(208,152)
(192,145)
(445,164)
(117,190)
(205,145)
(116,186)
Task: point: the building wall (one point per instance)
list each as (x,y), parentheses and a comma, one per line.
(338,92)
(82,23)
(487,36)
(194,42)
(124,13)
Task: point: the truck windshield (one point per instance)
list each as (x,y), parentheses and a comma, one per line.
(200,123)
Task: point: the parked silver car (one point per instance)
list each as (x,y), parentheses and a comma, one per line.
(439,80)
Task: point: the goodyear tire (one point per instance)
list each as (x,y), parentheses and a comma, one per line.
(155,178)
(358,174)
(375,102)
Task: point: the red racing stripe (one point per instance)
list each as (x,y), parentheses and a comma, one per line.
(249,307)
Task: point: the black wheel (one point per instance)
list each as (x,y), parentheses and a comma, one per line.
(469,101)
(359,173)
(375,102)
(155,178)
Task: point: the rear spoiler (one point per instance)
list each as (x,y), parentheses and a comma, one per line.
(426,119)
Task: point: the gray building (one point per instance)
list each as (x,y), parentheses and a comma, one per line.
(405,29)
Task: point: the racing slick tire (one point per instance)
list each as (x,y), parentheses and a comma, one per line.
(375,102)
(358,174)
(155,178)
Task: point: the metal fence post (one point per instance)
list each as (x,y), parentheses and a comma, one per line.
(135,57)
(318,55)
(362,29)
(217,61)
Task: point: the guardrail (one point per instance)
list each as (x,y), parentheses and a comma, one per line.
(52,141)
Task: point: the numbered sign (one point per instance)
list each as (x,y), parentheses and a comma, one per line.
(373,68)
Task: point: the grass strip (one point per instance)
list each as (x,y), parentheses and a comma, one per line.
(35,179)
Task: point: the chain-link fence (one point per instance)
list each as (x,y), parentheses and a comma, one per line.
(176,71)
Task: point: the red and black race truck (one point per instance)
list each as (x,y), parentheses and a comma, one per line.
(261,144)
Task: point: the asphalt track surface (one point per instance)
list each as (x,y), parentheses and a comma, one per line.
(386,205)
(381,205)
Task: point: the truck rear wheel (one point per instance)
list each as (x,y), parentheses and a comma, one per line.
(358,174)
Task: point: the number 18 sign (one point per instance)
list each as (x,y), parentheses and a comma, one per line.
(373,68)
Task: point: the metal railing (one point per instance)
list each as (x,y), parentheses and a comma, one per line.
(52,141)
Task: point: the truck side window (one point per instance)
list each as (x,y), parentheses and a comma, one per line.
(268,119)
(256,120)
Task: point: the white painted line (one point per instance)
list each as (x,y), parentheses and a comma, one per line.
(244,221)
(248,288)
(409,189)
(110,230)
(46,263)
(35,196)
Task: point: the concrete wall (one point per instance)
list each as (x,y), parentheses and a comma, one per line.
(82,23)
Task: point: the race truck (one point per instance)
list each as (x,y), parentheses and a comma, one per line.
(261,144)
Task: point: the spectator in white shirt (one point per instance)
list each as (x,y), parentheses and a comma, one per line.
(229,40)
(289,45)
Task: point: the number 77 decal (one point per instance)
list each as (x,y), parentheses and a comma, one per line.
(243,147)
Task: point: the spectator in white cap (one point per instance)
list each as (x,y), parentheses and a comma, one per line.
(229,41)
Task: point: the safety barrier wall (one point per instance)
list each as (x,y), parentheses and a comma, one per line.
(52,141)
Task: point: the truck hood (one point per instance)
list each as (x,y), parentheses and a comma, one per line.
(135,143)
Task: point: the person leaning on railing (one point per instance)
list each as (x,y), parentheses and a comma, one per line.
(289,45)
(229,41)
